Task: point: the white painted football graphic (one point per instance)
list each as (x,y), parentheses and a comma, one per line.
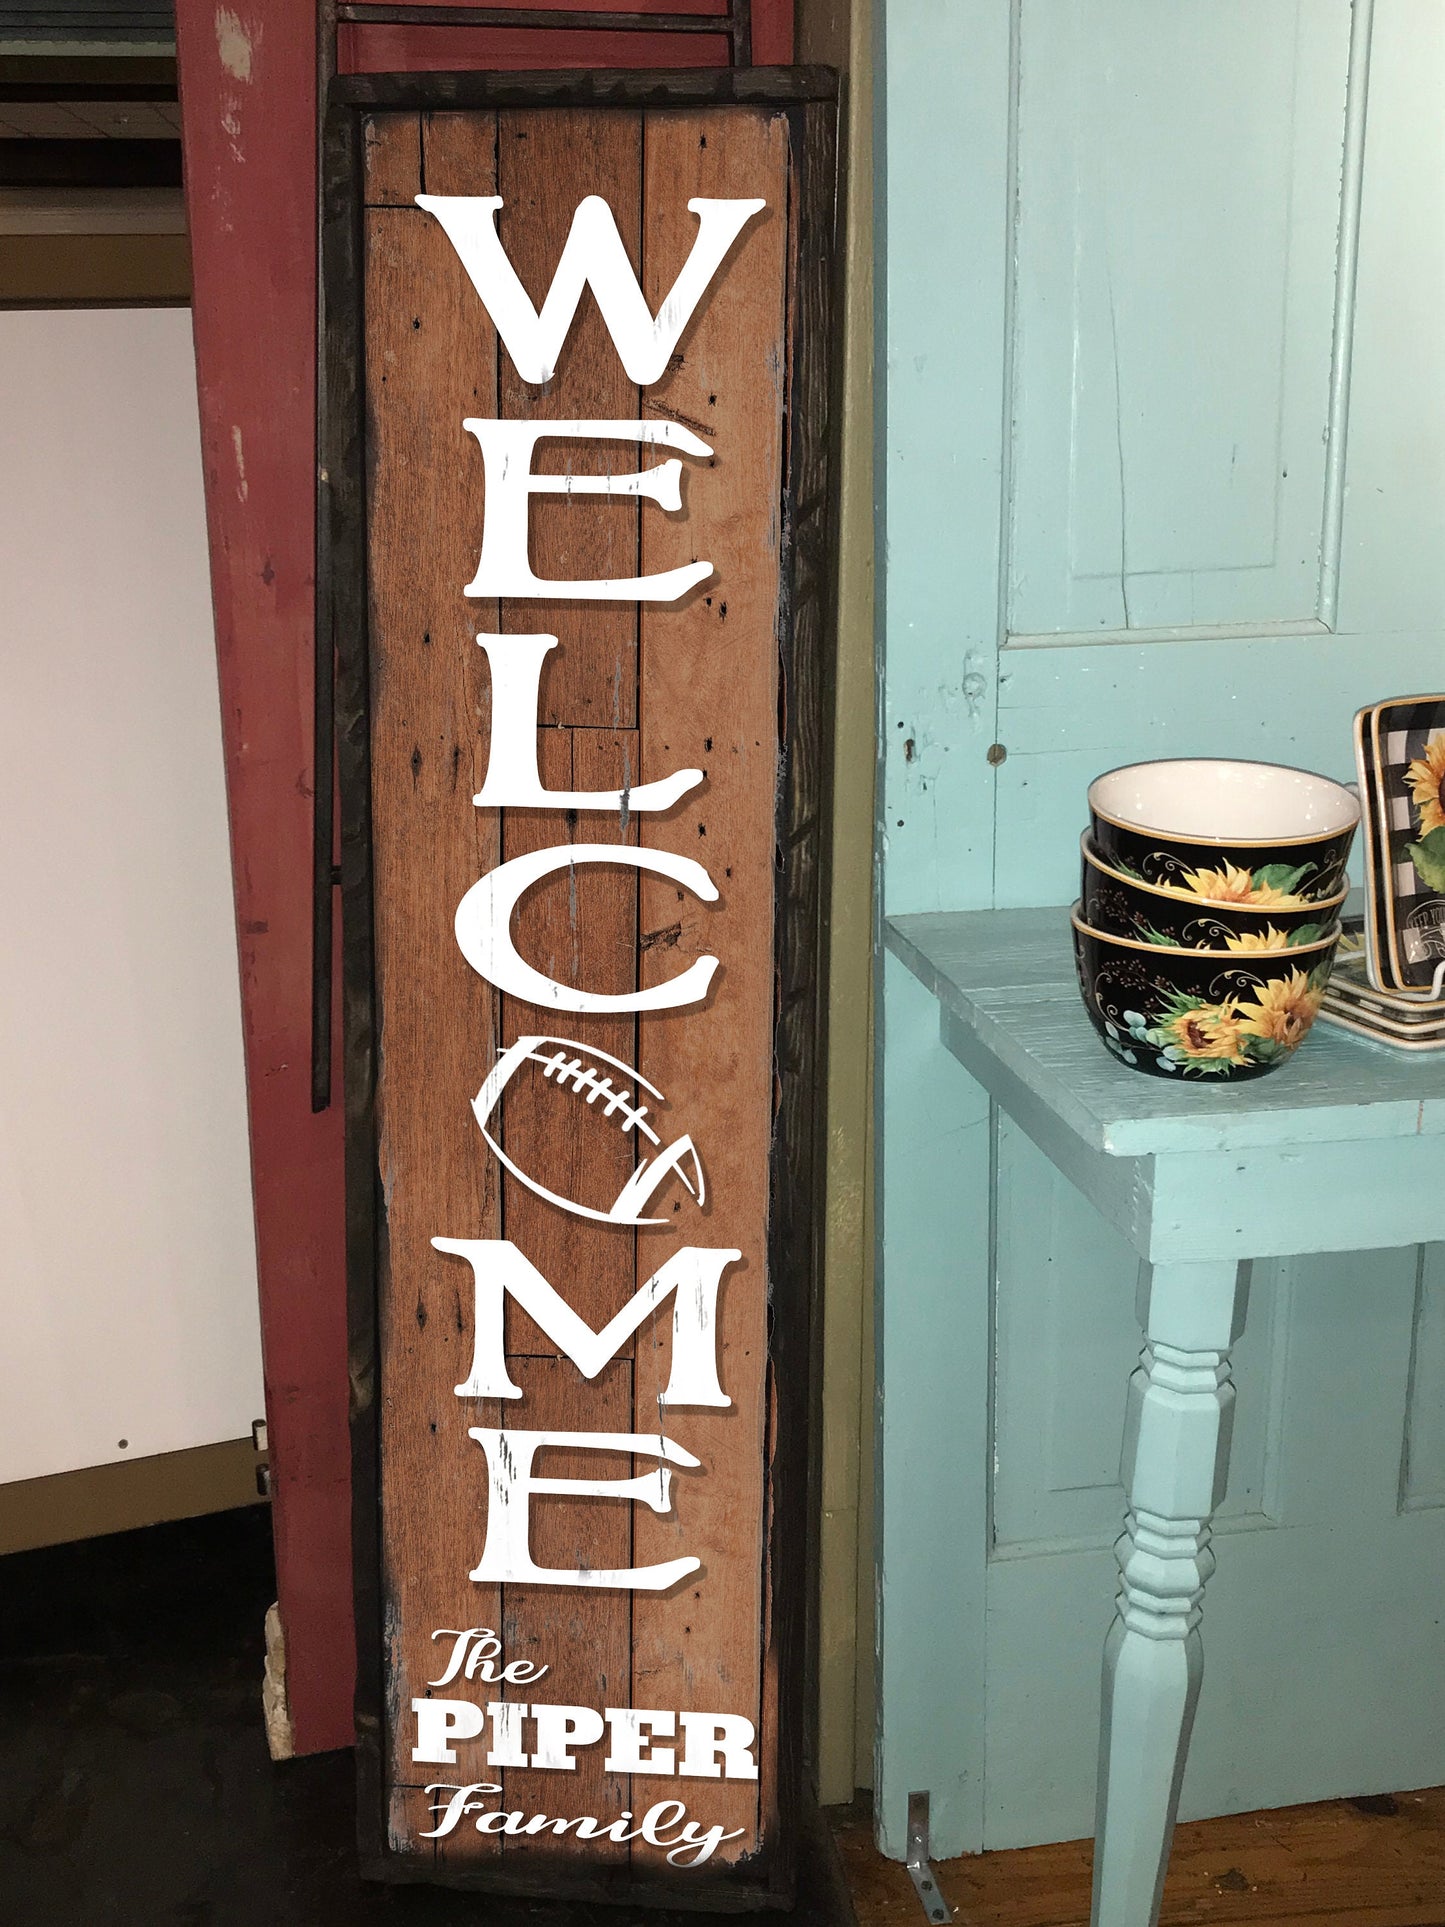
(573,1069)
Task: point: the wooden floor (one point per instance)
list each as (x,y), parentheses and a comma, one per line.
(1376,1862)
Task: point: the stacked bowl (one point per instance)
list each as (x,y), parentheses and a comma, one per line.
(1209,913)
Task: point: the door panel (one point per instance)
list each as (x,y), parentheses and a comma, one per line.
(1065,714)
(1179,177)
(1164,381)
(1091,544)
(1422,1457)
(1322,1652)
(1392,561)
(1271,686)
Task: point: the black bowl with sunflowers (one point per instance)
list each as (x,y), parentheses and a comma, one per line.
(1121,906)
(1196,1014)
(1259,835)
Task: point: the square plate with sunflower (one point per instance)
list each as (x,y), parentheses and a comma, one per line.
(1407,736)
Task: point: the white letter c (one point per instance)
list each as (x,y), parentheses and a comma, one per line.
(484,929)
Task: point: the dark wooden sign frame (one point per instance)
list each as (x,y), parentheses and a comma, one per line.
(808,98)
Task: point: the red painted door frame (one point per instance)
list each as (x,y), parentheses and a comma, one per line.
(248,121)
(248,118)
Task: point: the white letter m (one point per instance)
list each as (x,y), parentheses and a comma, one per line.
(692,1273)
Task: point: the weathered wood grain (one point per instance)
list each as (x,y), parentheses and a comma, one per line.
(391,158)
(459,156)
(548,160)
(1374,1863)
(437,1020)
(409,1817)
(588,87)
(583,1637)
(728,681)
(795,1241)
(709,671)
(580,926)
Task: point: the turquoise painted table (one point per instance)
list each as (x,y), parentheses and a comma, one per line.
(1343,1149)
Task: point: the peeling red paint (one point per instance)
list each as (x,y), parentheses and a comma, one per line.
(253,249)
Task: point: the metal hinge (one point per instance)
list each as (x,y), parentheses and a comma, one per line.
(920,1867)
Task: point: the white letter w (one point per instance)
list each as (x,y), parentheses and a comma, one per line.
(594,255)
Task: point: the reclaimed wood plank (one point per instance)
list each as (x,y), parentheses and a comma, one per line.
(410,1816)
(579,926)
(588,87)
(582,1636)
(438,1019)
(801,954)
(548,160)
(459,156)
(391,159)
(760,815)
(709,668)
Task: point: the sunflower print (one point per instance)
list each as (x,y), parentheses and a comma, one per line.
(1190,1034)
(1234,885)
(1426,778)
(1247,1029)
(1206,1034)
(1283,1011)
(1267,939)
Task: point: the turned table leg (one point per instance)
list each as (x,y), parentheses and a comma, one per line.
(1176,1453)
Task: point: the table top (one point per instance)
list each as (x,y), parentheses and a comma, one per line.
(1006,978)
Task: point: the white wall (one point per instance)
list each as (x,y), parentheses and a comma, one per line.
(128,1314)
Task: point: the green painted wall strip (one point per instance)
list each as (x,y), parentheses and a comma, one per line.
(942,98)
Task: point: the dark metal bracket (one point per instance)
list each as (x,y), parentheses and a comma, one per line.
(920,1867)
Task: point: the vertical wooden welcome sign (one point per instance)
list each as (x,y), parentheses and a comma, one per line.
(575,490)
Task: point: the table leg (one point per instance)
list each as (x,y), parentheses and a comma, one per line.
(1176,1453)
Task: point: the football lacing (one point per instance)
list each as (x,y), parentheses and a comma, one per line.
(585,1081)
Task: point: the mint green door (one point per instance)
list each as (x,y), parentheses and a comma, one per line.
(1163,473)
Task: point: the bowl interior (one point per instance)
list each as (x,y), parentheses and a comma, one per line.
(1219,801)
